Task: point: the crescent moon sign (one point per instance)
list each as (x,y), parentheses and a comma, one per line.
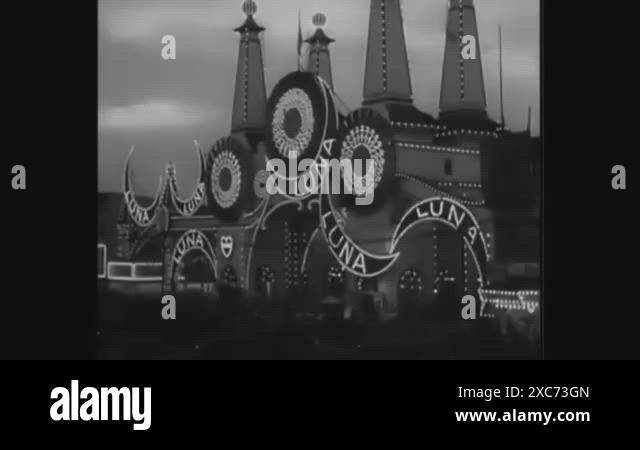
(190,206)
(352,257)
(142,216)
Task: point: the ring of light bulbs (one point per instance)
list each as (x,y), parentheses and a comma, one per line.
(365,136)
(226,160)
(293,147)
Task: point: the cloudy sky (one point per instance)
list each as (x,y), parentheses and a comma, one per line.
(162,106)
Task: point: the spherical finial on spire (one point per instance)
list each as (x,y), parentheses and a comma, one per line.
(249,7)
(319,20)
(171,169)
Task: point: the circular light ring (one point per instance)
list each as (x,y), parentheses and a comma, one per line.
(228,160)
(365,129)
(364,136)
(317,119)
(297,100)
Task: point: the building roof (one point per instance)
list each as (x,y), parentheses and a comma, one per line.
(319,36)
(387,76)
(249,25)
(462,89)
(250,95)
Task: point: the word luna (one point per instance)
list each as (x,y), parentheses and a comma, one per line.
(96,404)
(455,217)
(190,241)
(139,214)
(353,258)
(324,177)
(189,207)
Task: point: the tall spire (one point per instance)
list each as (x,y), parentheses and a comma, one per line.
(319,56)
(387,76)
(300,41)
(250,98)
(462,87)
(501,90)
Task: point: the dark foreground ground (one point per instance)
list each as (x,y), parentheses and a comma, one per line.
(131,327)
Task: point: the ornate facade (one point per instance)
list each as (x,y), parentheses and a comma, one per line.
(456,200)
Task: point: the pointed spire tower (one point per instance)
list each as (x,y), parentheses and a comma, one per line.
(387,76)
(319,55)
(250,98)
(462,92)
(501,81)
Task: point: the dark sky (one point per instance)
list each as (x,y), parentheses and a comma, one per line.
(162,106)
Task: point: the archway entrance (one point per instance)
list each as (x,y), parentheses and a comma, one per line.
(467,235)
(190,263)
(195,273)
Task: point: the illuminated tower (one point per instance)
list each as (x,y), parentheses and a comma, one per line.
(250,98)
(462,90)
(319,56)
(387,75)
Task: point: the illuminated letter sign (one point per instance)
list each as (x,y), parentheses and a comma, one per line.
(452,214)
(189,207)
(139,214)
(142,216)
(192,240)
(346,251)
